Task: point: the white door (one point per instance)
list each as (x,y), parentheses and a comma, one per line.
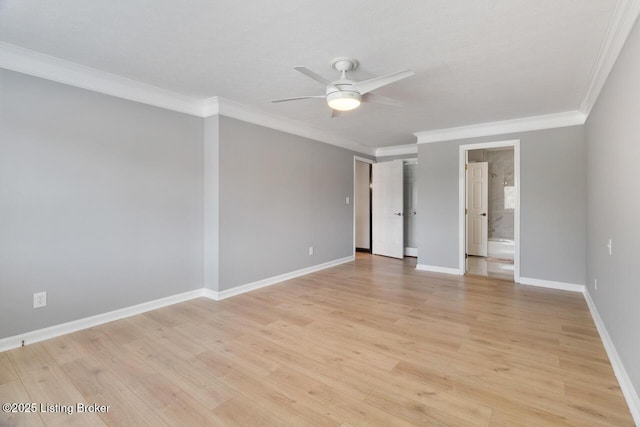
(387,212)
(477,208)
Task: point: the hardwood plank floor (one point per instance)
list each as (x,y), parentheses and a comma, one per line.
(368,343)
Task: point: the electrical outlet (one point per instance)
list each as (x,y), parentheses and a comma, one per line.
(39,299)
(595,282)
(310,250)
(348,200)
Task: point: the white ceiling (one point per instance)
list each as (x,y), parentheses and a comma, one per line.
(476,61)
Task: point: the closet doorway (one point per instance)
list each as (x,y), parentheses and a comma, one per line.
(362,204)
(385,211)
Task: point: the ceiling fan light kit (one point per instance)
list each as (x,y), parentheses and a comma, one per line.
(343,100)
(344,94)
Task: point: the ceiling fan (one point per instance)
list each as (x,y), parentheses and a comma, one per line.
(344,94)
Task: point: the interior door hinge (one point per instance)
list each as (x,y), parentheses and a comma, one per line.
(465,211)
(466,166)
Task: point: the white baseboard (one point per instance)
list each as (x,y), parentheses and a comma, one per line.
(208,293)
(551,284)
(99,319)
(437,269)
(629,392)
(411,251)
(217,296)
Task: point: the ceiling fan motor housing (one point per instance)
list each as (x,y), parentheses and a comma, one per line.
(344,63)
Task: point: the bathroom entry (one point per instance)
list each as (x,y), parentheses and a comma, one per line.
(490,212)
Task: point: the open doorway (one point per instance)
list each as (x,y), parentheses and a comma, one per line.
(490,209)
(385,207)
(362,205)
(410,190)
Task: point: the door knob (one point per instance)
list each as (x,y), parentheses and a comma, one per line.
(484,214)
(398,213)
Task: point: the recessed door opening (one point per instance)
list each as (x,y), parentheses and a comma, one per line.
(410,190)
(490,215)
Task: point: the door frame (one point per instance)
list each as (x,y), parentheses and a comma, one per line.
(515,143)
(410,251)
(353,204)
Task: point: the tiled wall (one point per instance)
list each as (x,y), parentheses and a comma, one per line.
(501,175)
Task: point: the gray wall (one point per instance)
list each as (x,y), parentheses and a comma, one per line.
(107,203)
(100,203)
(280,194)
(552,202)
(438,204)
(613,157)
(211,226)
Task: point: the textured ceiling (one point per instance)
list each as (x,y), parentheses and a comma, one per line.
(475,61)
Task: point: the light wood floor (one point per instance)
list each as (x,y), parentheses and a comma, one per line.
(369,343)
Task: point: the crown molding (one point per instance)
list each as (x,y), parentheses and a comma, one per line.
(624,18)
(396,150)
(622,22)
(210,106)
(48,67)
(525,124)
(235,110)
(36,64)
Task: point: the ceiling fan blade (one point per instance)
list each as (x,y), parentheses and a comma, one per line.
(317,77)
(367,86)
(296,98)
(379,99)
